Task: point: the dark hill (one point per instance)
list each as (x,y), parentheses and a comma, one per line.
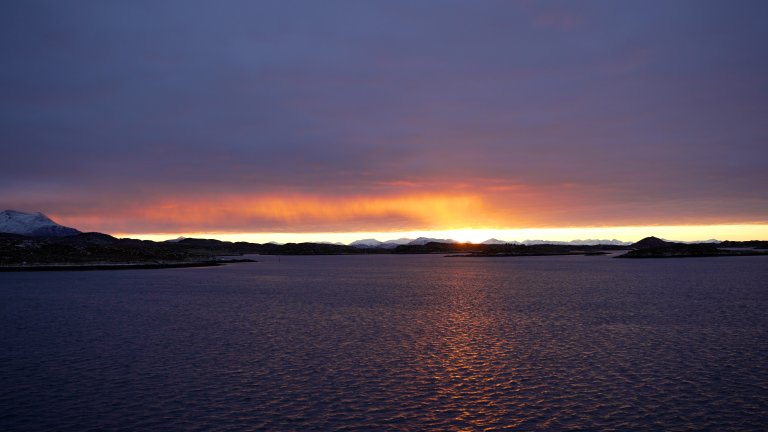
(196,242)
(90,238)
(651,242)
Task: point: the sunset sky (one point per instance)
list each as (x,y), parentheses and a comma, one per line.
(337,120)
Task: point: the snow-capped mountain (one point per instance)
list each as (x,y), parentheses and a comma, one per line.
(399,241)
(32,224)
(493,241)
(391,244)
(366,243)
(613,242)
(176,240)
(587,242)
(694,242)
(424,240)
(373,243)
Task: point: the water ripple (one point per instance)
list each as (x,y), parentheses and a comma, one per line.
(389,343)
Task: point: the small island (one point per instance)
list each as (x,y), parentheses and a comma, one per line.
(653,247)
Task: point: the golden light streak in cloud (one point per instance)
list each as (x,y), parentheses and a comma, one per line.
(295,213)
(448,213)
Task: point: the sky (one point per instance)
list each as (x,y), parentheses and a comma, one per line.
(341,119)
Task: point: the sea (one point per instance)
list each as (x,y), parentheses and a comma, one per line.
(390,343)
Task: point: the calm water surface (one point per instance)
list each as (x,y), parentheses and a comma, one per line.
(390,343)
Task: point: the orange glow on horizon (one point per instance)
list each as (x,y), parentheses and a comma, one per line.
(427,210)
(462,216)
(294,213)
(628,234)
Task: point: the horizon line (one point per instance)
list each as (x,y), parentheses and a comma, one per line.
(629,234)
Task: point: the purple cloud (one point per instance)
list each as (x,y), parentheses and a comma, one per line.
(654,110)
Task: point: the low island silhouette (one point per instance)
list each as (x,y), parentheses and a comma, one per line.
(32,241)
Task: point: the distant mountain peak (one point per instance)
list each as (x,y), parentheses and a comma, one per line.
(424,240)
(586,242)
(33,224)
(370,242)
(492,241)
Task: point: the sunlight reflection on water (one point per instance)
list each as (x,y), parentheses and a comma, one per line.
(390,343)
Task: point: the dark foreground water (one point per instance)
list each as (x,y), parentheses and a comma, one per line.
(390,343)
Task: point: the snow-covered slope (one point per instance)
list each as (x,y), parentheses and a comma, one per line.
(424,240)
(373,243)
(493,241)
(391,244)
(176,240)
(366,243)
(32,224)
(397,242)
(588,242)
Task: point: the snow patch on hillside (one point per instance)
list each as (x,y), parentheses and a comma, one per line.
(33,224)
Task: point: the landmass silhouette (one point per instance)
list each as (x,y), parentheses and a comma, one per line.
(34,241)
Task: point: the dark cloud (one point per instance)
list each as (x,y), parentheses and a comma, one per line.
(654,108)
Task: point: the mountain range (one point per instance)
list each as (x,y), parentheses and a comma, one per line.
(36,224)
(33,239)
(391,244)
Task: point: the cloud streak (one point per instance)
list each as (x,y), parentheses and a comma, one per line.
(292,213)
